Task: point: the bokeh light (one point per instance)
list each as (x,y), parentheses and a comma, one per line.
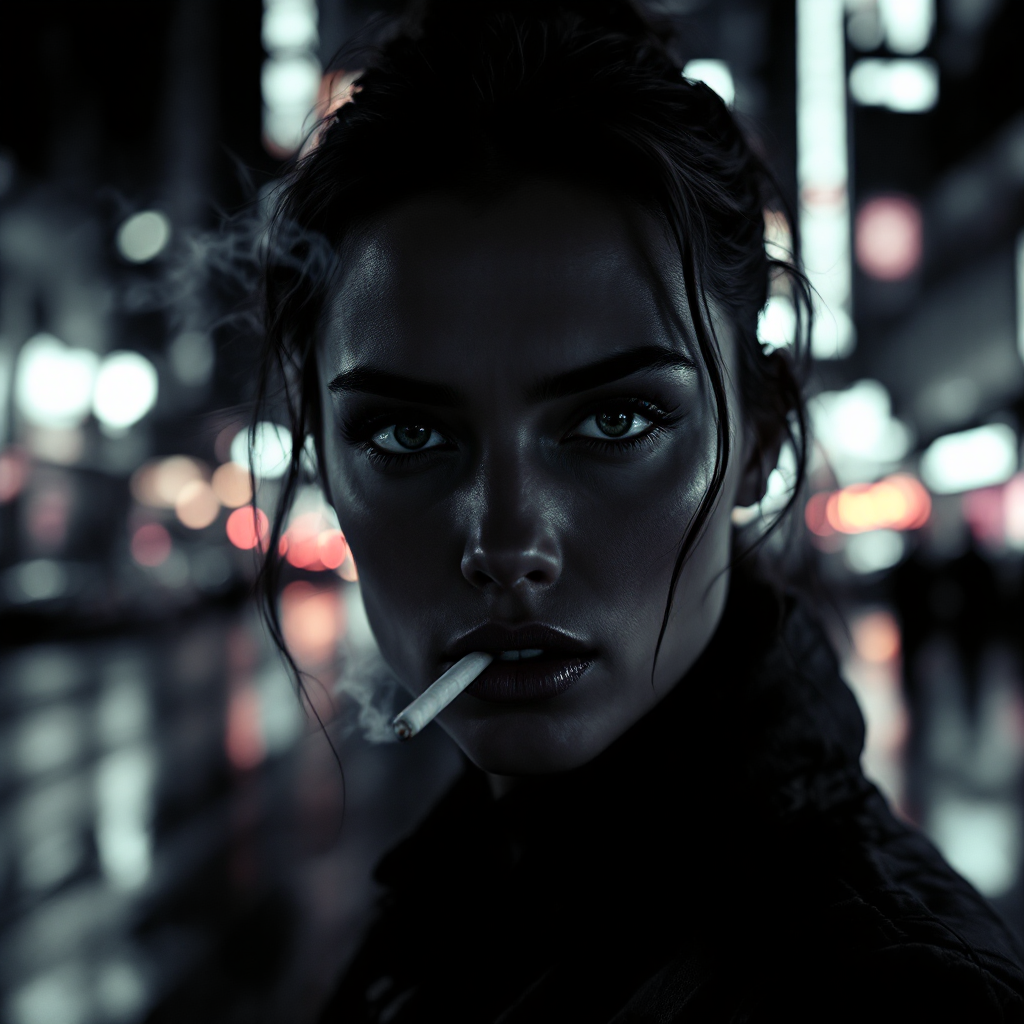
(232,485)
(906,86)
(888,238)
(347,570)
(715,74)
(875,551)
(247,527)
(981,457)
(898,502)
(858,432)
(313,621)
(126,389)
(271,450)
(332,548)
(143,236)
(151,545)
(776,324)
(158,484)
(196,506)
(995,515)
(876,637)
(14,471)
(299,542)
(243,739)
(54,382)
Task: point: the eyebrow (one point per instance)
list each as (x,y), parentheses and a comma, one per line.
(372,381)
(607,371)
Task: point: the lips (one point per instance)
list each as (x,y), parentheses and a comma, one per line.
(533,662)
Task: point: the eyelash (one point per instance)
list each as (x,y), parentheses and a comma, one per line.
(660,422)
(361,434)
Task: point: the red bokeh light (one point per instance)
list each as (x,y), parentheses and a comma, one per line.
(14,467)
(332,548)
(243,738)
(888,238)
(299,543)
(313,620)
(151,545)
(247,527)
(307,545)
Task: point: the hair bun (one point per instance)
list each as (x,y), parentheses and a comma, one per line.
(618,16)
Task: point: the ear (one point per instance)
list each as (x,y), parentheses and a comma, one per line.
(760,455)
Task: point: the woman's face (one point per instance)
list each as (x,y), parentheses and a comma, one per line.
(516,438)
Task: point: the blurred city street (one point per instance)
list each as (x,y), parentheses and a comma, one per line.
(182,835)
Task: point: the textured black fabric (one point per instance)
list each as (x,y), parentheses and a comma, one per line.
(725,860)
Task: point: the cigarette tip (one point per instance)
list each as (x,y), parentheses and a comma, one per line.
(402,729)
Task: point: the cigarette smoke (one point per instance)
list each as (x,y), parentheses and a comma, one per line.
(365,679)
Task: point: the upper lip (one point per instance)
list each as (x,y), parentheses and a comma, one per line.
(495,638)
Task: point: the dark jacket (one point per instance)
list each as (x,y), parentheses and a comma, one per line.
(725,860)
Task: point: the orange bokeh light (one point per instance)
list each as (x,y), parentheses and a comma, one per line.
(159,483)
(247,527)
(196,505)
(876,637)
(151,545)
(232,485)
(898,502)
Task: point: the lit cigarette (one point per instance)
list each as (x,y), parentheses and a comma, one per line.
(439,694)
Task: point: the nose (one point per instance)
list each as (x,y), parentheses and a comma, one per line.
(496,568)
(511,546)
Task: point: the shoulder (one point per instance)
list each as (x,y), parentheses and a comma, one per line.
(884,929)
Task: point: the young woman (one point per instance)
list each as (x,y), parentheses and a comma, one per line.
(512,295)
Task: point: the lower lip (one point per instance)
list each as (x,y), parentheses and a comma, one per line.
(510,682)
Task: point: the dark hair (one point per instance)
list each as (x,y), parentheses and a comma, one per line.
(473,97)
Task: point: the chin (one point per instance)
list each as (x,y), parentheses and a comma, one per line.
(522,742)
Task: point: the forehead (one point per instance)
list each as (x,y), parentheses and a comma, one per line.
(546,278)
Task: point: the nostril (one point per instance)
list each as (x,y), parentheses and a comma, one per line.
(480,579)
(504,570)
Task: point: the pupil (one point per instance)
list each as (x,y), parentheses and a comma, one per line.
(412,436)
(614,424)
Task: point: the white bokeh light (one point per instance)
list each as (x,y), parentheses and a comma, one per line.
(858,432)
(715,74)
(271,450)
(53,382)
(289,25)
(906,86)
(143,236)
(907,24)
(126,389)
(982,457)
(776,324)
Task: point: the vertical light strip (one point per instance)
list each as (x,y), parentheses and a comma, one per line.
(1020,294)
(823,171)
(290,79)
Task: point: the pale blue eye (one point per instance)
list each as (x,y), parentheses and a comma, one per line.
(613,426)
(402,438)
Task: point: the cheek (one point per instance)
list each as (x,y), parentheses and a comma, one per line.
(405,548)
